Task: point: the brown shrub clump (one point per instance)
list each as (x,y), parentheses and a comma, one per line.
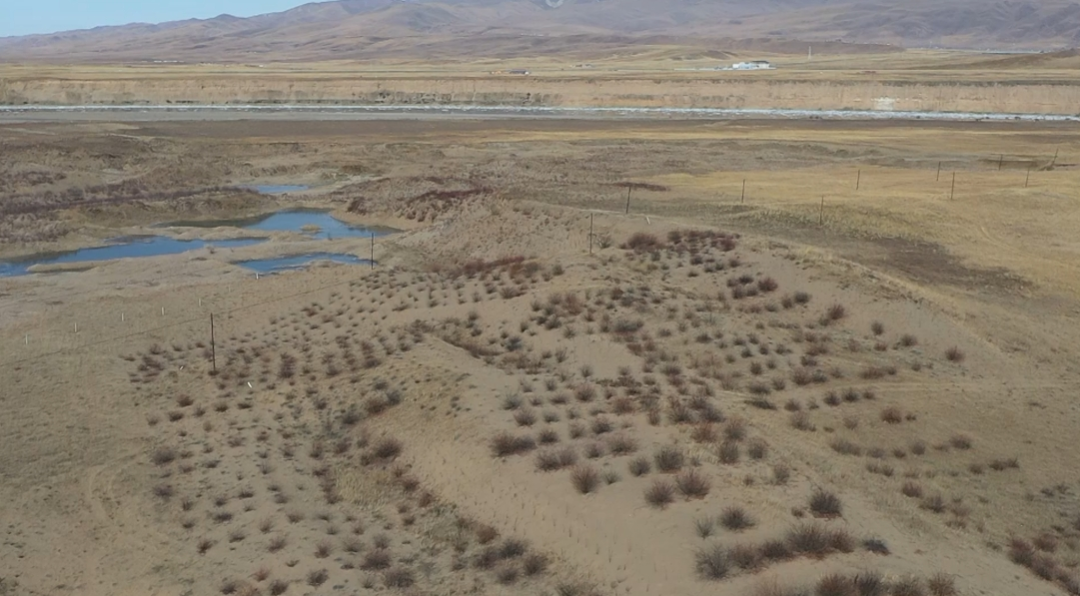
(825,504)
(736,519)
(692,484)
(585,479)
(669,459)
(660,494)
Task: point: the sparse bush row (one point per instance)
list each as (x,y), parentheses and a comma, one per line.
(715,562)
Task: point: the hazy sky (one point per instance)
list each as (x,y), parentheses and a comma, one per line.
(22,17)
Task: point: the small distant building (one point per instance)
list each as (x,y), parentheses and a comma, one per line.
(518,71)
(753,65)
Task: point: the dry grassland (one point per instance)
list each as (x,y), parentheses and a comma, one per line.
(650,76)
(752,396)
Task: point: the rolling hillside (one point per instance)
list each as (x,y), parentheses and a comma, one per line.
(367,29)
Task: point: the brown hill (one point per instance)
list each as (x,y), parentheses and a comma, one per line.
(366,29)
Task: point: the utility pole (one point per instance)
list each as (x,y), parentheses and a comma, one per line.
(1028,177)
(938,179)
(372,249)
(743,199)
(591,231)
(858,180)
(213,344)
(629,189)
(952,192)
(821,212)
(1001,160)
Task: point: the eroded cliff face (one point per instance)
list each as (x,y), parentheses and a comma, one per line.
(1042,98)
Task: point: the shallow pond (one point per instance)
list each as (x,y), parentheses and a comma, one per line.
(277,189)
(289,263)
(317,225)
(313,222)
(148,246)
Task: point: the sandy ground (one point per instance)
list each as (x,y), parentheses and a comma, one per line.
(911,354)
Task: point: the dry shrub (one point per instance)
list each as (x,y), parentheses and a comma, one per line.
(825,504)
(808,539)
(163,455)
(735,429)
(876,546)
(549,461)
(954,354)
(942,584)
(757,449)
(935,503)
(912,490)
(729,453)
(892,415)
(712,562)
(704,433)
(387,448)
(999,465)
(486,534)
(643,242)
(660,494)
(505,444)
(692,484)
(745,557)
(317,577)
(398,577)
(507,574)
(534,564)
(669,459)
(908,586)
(525,417)
(801,421)
(640,466)
(1046,542)
(585,479)
(845,447)
(781,474)
(961,441)
(836,584)
(736,519)
(376,559)
(775,550)
(622,444)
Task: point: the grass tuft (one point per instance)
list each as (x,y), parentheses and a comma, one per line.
(736,519)
(692,484)
(660,494)
(825,504)
(712,562)
(669,459)
(585,479)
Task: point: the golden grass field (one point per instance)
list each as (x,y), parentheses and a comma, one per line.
(734,394)
(635,76)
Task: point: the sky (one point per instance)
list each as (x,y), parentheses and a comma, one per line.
(24,17)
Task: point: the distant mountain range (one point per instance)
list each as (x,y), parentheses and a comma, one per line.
(367,29)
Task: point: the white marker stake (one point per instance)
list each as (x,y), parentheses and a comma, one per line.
(76,327)
(121,317)
(163,311)
(27,339)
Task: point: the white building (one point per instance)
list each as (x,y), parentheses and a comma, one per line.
(753,65)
